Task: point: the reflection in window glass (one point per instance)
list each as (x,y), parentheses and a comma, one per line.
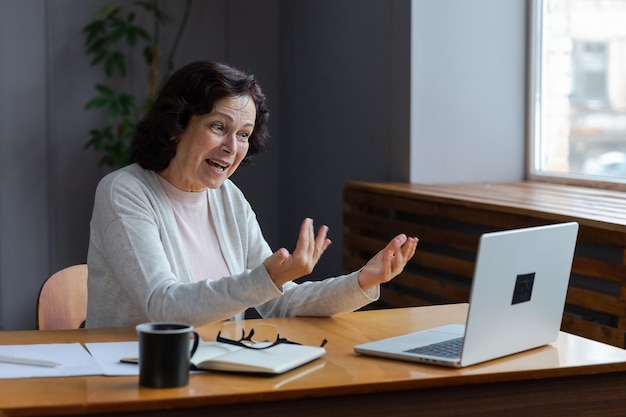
(580,77)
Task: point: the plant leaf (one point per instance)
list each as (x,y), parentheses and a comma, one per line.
(92,30)
(156,11)
(119,62)
(97,102)
(101,55)
(111,39)
(106,11)
(104,90)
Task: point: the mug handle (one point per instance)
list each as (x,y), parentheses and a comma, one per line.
(196,340)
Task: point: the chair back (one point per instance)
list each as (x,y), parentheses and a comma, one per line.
(62,301)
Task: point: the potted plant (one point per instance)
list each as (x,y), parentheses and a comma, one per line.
(113,38)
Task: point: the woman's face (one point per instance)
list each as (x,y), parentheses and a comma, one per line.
(213,145)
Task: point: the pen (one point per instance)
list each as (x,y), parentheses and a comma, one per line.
(28,361)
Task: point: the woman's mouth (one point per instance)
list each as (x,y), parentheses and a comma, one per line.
(222,166)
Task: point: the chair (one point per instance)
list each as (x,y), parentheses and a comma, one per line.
(62,301)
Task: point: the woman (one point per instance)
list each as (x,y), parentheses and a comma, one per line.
(173,239)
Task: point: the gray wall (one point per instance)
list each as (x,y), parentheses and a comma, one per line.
(345,98)
(47,178)
(337,74)
(24,162)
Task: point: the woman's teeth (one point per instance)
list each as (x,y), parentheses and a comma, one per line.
(217,164)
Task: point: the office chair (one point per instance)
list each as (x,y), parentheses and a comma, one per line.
(62,301)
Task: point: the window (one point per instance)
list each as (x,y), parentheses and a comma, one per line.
(577,105)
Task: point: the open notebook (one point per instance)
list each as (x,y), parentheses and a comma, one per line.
(516,302)
(216,356)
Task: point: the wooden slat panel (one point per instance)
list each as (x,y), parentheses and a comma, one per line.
(529,201)
(593,331)
(455,292)
(423,258)
(392,298)
(491,220)
(596,301)
(420,227)
(598,269)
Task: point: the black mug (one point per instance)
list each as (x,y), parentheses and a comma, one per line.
(164,354)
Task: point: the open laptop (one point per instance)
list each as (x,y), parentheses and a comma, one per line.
(516,303)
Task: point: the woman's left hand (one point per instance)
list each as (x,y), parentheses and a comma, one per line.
(389,262)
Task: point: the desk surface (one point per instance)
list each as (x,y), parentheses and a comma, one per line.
(340,378)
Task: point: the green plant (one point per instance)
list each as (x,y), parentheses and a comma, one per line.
(113,38)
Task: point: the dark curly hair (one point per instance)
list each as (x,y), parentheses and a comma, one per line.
(193,90)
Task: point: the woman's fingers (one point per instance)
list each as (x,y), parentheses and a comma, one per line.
(321,242)
(389,262)
(303,243)
(403,254)
(310,247)
(284,266)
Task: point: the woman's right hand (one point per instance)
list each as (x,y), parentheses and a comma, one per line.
(283,266)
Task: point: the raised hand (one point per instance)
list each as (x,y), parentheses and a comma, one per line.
(283,266)
(389,262)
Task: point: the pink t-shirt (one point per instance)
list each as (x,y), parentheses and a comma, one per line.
(196,228)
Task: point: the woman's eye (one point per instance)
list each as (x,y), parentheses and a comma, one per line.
(244,136)
(217,126)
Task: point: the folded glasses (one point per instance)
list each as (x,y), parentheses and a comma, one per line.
(261,336)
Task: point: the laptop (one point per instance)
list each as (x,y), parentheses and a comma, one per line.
(516,303)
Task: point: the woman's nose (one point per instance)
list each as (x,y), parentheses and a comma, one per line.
(228,144)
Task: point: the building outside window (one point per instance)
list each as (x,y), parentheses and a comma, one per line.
(578,91)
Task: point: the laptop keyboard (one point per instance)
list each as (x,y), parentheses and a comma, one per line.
(447,349)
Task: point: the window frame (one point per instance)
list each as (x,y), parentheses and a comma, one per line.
(534,61)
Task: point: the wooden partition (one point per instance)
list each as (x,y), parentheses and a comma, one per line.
(449,218)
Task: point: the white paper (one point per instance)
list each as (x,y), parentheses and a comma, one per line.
(74,360)
(108,355)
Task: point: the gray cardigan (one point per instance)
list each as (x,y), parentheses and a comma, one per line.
(139,272)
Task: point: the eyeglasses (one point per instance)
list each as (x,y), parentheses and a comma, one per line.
(261,336)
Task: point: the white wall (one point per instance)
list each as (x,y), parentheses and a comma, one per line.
(468,90)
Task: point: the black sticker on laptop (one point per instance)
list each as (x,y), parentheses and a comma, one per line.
(523,288)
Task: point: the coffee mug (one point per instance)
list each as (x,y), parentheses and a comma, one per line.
(164,354)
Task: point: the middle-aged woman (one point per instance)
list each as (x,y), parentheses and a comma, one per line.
(173,239)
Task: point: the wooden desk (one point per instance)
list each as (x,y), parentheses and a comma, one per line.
(572,377)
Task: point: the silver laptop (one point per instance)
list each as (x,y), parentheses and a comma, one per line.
(516,303)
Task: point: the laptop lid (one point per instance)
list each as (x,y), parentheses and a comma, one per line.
(517,299)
